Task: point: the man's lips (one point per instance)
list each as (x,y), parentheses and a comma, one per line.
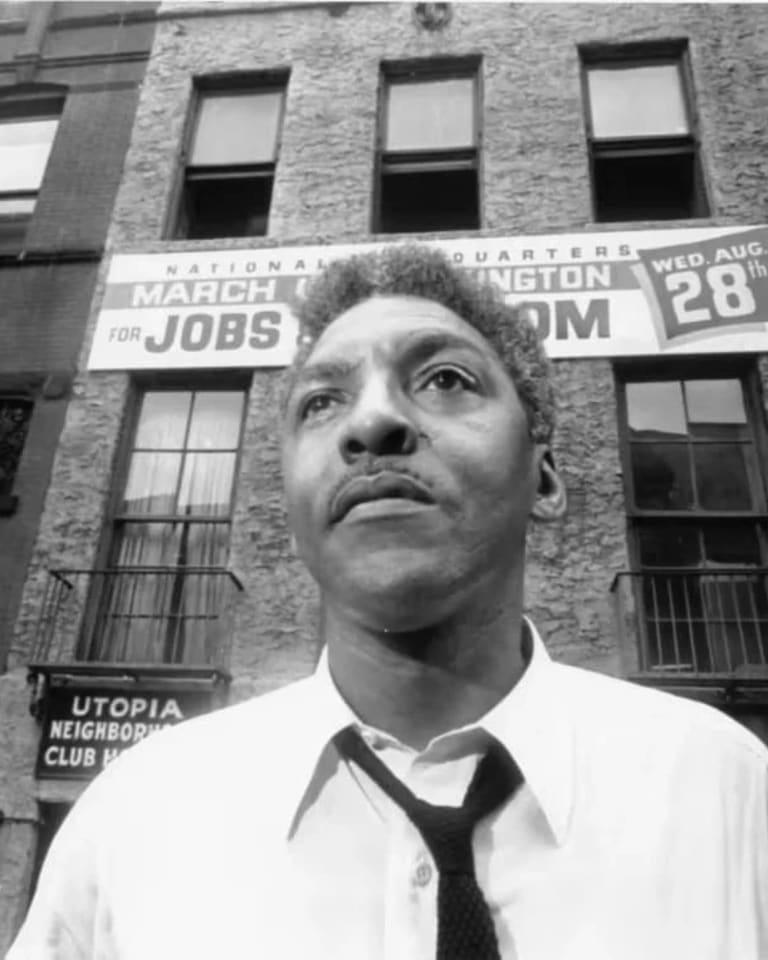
(387,485)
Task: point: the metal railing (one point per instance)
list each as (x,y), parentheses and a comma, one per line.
(693,621)
(138,615)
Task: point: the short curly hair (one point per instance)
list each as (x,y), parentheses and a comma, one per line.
(416,270)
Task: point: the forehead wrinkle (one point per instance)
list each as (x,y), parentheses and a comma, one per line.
(421,344)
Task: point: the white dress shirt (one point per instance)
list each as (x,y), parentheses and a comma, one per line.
(640,833)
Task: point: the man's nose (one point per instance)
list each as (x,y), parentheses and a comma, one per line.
(377,426)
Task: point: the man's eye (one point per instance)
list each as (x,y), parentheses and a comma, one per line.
(450,380)
(317,404)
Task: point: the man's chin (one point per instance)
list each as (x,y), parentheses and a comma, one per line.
(399,594)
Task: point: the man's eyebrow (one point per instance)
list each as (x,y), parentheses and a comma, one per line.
(325,370)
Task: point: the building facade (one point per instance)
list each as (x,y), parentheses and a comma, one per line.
(69,85)
(604,165)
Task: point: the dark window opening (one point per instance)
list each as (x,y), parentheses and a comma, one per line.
(15,414)
(222,207)
(655,187)
(432,200)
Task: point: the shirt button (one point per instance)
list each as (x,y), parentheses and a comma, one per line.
(423,873)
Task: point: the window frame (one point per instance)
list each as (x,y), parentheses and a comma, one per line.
(722,368)
(29,103)
(697,634)
(115,518)
(276,81)
(645,54)
(429,160)
(141,385)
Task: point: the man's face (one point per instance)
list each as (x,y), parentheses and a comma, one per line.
(409,471)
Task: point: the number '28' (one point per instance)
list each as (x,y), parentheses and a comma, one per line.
(727,283)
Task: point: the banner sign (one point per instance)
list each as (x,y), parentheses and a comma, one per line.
(642,293)
(85,727)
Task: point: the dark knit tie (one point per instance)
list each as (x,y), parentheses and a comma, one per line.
(464,925)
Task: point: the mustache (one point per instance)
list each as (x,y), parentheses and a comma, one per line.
(372,466)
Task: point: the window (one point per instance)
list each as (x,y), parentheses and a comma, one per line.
(697,513)
(231,163)
(27,129)
(170,539)
(643,151)
(15,414)
(429,148)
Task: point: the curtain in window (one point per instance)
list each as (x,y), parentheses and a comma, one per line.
(174,517)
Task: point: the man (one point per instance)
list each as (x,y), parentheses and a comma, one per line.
(439,788)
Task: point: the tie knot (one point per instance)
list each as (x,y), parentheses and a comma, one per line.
(447,831)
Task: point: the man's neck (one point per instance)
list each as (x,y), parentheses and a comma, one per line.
(420,684)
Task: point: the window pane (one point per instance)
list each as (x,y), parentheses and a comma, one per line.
(16,206)
(134,627)
(430,115)
(24,149)
(731,545)
(14,423)
(237,128)
(716,409)
(149,544)
(206,545)
(152,481)
(672,545)
(657,186)
(165,616)
(173,544)
(655,409)
(637,101)
(163,420)
(215,421)
(675,645)
(198,621)
(430,200)
(722,476)
(206,486)
(671,596)
(226,207)
(662,476)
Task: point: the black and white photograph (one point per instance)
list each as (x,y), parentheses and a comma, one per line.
(383,480)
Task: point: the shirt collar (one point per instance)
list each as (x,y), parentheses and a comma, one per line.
(531,722)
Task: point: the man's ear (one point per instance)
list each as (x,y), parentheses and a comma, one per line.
(550,500)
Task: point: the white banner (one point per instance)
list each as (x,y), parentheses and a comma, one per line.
(642,293)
